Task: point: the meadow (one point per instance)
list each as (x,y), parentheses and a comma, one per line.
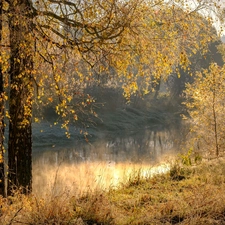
(104,193)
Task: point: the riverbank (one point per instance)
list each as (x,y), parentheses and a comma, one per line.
(183,195)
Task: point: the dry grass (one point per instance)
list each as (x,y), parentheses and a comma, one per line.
(88,176)
(185,195)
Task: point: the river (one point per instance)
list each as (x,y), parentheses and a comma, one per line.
(125,137)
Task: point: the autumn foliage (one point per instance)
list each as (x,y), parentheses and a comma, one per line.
(51,50)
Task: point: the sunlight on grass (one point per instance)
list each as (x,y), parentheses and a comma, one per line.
(89,176)
(75,194)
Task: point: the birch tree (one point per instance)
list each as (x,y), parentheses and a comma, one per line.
(205,103)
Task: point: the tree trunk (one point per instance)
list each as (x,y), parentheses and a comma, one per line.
(215,116)
(2,173)
(20,103)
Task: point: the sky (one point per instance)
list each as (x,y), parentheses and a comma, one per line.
(208,12)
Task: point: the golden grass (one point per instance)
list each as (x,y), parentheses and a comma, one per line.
(88,176)
(184,195)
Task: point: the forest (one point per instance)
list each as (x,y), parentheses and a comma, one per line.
(131,77)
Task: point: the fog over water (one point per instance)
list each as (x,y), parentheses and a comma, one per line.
(141,130)
(144,130)
(140,133)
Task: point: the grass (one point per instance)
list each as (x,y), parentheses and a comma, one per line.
(183,195)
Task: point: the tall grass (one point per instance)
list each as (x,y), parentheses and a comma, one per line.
(88,176)
(187,195)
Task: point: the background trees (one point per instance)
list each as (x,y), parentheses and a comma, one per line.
(205,103)
(59,47)
(199,61)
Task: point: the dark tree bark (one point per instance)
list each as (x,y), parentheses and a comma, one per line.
(2,173)
(21,26)
(20,104)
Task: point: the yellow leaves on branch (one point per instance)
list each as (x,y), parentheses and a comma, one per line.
(163,41)
(205,103)
(139,41)
(205,83)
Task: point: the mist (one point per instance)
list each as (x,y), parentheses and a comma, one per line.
(123,139)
